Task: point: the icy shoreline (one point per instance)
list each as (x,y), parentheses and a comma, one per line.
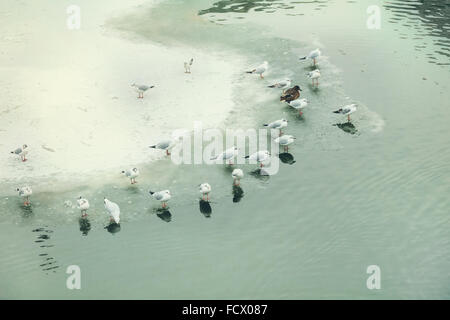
(69,97)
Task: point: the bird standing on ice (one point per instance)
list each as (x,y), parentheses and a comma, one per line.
(113,210)
(165,145)
(141,88)
(187,66)
(299,104)
(237,175)
(291,94)
(285,141)
(284,84)
(83,205)
(347,110)
(278,124)
(313,55)
(162,196)
(132,174)
(204,189)
(22,152)
(260,69)
(314,75)
(25,193)
(227,155)
(259,156)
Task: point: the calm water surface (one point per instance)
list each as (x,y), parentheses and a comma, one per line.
(372,193)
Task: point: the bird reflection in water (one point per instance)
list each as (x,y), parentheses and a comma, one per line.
(287,158)
(113,227)
(347,127)
(238,193)
(164,214)
(205,208)
(85,225)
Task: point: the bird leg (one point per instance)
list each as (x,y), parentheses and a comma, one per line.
(207,197)
(167,152)
(261,76)
(300,112)
(314,61)
(348,118)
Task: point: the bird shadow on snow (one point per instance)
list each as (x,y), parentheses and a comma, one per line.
(133,189)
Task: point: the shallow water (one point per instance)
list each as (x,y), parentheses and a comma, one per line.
(372,193)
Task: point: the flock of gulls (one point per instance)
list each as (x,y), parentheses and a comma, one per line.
(290,94)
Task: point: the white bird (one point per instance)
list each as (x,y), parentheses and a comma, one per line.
(313,55)
(187,66)
(347,110)
(227,155)
(113,210)
(132,174)
(278,124)
(314,75)
(162,196)
(285,141)
(259,156)
(22,152)
(284,84)
(204,189)
(141,88)
(237,175)
(260,69)
(299,104)
(165,145)
(83,205)
(25,192)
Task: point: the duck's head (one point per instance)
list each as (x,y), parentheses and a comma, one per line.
(298,88)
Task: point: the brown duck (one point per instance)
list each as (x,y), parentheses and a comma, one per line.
(291,94)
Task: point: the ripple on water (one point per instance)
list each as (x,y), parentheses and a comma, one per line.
(429,19)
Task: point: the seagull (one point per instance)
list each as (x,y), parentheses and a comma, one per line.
(162,196)
(204,189)
(313,55)
(187,66)
(314,75)
(83,205)
(227,155)
(299,104)
(141,88)
(347,110)
(291,94)
(259,156)
(132,174)
(237,175)
(165,145)
(285,141)
(113,209)
(278,124)
(22,152)
(25,192)
(260,69)
(282,84)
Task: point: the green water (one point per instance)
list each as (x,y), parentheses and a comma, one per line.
(378,196)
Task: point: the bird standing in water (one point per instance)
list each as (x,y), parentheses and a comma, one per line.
(237,175)
(83,205)
(204,189)
(347,110)
(25,193)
